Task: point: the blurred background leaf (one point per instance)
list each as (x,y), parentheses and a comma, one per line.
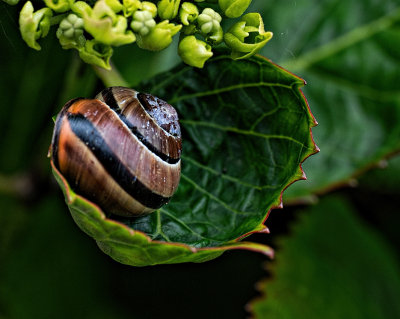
(385,178)
(332,266)
(51,267)
(33,87)
(347,53)
(351,95)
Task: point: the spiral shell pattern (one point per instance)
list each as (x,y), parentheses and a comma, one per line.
(120,150)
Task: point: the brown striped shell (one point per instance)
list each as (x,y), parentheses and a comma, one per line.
(121,150)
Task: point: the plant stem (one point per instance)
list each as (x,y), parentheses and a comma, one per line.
(343,42)
(110,77)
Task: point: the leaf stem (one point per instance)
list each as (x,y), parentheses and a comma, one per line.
(110,77)
(343,42)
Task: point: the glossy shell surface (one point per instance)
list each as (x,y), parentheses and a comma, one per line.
(120,150)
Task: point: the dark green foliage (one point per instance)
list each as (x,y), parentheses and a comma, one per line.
(246,130)
(347,53)
(49,268)
(333,266)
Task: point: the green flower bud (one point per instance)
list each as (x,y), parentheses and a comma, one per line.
(193,51)
(216,37)
(250,27)
(81,8)
(115,5)
(130,7)
(209,24)
(209,21)
(71,25)
(58,5)
(151,7)
(142,22)
(168,9)
(234,8)
(104,24)
(159,37)
(70,32)
(34,25)
(11,2)
(96,53)
(188,13)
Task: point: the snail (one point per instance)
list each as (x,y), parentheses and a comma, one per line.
(120,150)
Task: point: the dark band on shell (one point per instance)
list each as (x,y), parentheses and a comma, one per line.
(158,127)
(119,151)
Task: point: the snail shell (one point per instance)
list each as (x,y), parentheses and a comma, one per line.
(121,150)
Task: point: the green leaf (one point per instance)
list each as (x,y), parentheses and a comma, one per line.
(246,130)
(132,247)
(333,266)
(350,62)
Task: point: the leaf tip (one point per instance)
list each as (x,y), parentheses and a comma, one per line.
(265,230)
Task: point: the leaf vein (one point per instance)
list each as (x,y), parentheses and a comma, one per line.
(213,197)
(343,42)
(243,132)
(182,223)
(227,89)
(225,176)
(159,230)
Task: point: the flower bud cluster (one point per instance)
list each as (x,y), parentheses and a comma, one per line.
(94,27)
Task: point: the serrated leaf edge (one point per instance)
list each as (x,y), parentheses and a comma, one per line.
(300,174)
(71,197)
